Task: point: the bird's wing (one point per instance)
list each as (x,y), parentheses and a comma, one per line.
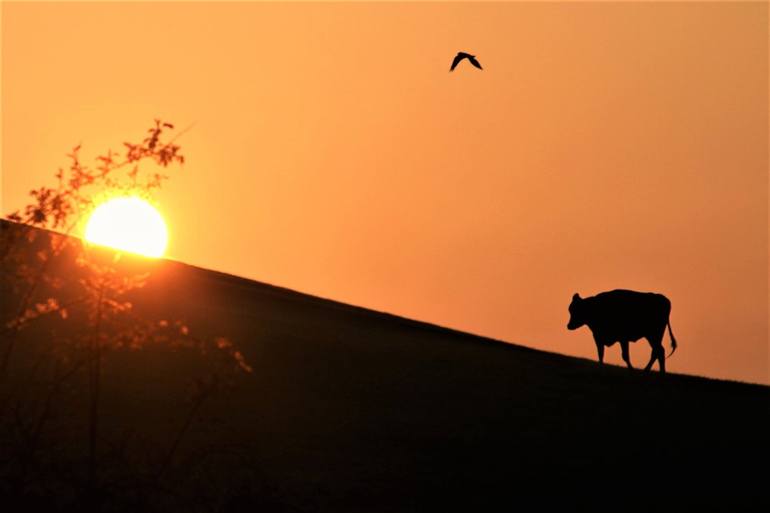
(460,56)
(475,62)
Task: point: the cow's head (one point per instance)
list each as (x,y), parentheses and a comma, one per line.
(576,313)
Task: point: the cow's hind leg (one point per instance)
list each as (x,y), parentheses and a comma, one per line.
(653,357)
(656,343)
(661,358)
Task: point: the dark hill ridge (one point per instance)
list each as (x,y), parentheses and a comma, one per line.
(278,293)
(354,410)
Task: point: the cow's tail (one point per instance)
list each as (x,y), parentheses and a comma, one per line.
(673,340)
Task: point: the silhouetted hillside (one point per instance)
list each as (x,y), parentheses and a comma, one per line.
(348,409)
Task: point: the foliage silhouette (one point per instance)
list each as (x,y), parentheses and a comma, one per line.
(87,314)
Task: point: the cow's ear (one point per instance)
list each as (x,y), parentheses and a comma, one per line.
(576,297)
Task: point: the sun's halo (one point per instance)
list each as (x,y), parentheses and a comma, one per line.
(129,224)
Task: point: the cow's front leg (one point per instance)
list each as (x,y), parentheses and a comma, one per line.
(626,356)
(600,351)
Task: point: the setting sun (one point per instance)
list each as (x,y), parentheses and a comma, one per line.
(129,224)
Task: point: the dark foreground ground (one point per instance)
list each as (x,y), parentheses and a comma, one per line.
(349,410)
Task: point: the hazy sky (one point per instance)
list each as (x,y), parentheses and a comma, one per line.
(603,146)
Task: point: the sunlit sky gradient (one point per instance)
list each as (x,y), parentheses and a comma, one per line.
(603,146)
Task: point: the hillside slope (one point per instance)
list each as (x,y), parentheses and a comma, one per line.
(389,414)
(353,410)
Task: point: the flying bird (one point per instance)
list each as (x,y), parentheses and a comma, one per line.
(462,55)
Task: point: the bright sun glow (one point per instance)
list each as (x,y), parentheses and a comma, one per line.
(129,224)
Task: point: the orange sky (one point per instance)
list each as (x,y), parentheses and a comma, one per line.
(603,146)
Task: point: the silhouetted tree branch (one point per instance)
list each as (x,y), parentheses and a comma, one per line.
(90,300)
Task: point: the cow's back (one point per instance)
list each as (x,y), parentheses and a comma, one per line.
(629,315)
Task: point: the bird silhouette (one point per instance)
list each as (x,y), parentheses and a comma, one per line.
(462,55)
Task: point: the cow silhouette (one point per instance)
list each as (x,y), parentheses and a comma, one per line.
(625,316)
